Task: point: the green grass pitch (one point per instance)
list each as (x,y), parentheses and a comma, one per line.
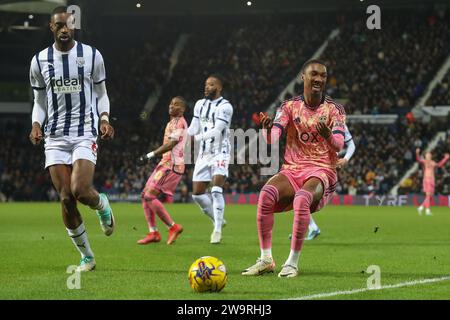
(36,251)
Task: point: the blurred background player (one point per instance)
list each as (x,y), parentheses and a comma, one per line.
(167,174)
(315,130)
(210,127)
(63,77)
(344,157)
(429,166)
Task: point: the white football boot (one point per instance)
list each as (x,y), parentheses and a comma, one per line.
(266,265)
(288,271)
(216,237)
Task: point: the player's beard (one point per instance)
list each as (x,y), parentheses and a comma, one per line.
(211,95)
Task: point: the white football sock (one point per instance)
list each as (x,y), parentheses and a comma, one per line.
(312,224)
(218,207)
(205,204)
(152,229)
(293,258)
(266,253)
(80,240)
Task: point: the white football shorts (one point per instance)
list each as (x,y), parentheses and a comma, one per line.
(67,150)
(208,166)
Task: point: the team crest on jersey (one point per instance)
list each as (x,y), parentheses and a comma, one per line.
(80,62)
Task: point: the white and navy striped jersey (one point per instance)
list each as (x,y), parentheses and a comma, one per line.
(68,78)
(209,112)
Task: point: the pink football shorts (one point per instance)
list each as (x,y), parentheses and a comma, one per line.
(163,179)
(327,176)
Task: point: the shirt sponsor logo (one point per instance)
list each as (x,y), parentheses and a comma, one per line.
(309,137)
(63,86)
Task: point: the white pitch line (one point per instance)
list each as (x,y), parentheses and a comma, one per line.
(391,286)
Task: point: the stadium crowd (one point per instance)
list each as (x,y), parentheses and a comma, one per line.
(441,93)
(258,56)
(388,70)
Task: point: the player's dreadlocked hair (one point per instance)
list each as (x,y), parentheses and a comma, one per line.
(307,63)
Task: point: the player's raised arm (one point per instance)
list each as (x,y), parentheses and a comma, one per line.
(418,158)
(39,112)
(443,161)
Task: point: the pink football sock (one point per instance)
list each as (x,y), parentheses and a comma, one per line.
(268,198)
(156,206)
(302,212)
(149,215)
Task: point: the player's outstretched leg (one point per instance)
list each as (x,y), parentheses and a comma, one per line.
(150,216)
(313,230)
(82,189)
(60,175)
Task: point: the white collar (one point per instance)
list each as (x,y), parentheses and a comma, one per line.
(65,52)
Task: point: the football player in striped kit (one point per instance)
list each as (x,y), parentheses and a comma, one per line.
(68,81)
(211,128)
